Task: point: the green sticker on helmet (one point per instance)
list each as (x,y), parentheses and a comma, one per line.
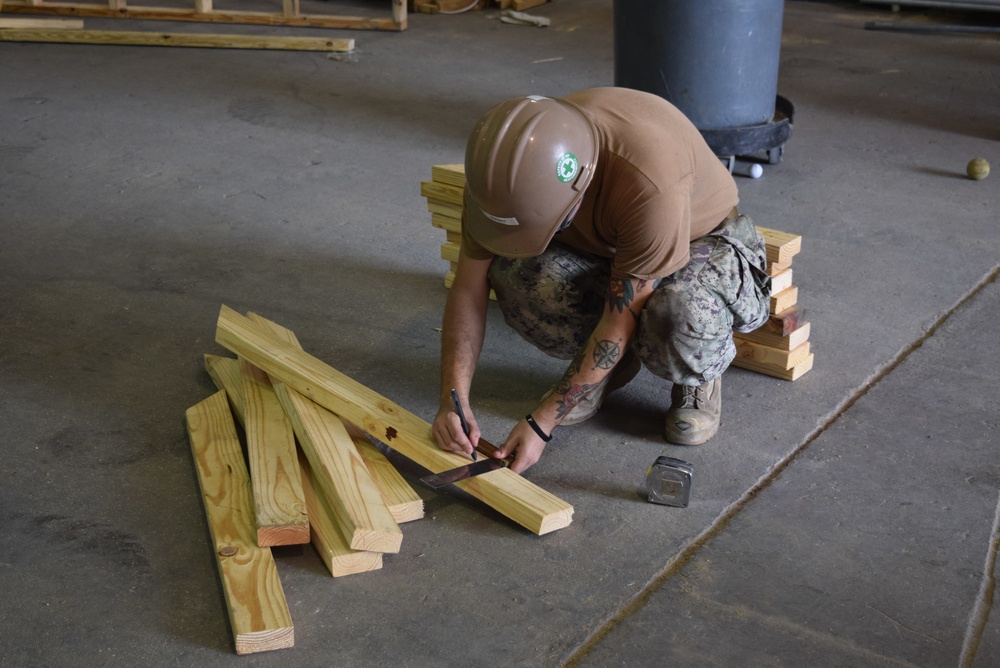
(567,167)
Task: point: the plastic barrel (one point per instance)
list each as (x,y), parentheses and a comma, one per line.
(715,60)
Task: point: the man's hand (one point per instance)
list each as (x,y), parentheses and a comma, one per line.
(524,444)
(447,430)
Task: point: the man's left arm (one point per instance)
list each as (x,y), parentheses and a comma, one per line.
(624,301)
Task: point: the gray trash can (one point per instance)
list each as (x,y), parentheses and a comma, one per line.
(715,60)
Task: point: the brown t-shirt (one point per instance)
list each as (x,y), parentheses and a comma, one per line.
(657,186)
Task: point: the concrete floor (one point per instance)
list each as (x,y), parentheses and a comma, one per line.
(846,519)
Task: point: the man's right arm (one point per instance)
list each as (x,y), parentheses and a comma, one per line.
(462,334)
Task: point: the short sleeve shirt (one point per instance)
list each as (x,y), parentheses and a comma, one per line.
(657,186)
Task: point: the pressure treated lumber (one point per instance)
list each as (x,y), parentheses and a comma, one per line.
(784,299)
(784,322)
(442,192)
(782,359)
(340,558)
(776,371)
(258,612)
(279,502)
(403,502)
(342,475)
(205,13)
(328,540)
(51,24)
(452,175)
(781,246)
(138,38)
(507,492)
(787,342)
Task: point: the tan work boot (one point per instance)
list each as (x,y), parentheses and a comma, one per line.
(623,372)
(694,413)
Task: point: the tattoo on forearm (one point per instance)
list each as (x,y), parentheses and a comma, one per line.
(606,353)
(564,384)
(621,292)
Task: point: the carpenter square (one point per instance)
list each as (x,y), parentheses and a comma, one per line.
(485,465)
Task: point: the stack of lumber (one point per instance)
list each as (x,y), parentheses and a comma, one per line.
(780,348)
(312,473)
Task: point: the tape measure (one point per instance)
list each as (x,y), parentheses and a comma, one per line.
(668,482)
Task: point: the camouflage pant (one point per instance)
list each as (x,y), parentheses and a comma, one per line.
(685,330)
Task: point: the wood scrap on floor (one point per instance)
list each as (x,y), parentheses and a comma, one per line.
(258,612)
(354,499)
(765,350)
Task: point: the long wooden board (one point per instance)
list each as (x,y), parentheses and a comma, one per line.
(342,475)
(756,352)
(403,502)
(442,192)
(279,502)
(139,38)
(328,540)
(507,492)
(452,175)
(258,611)
(781,246)
(788,342)
(340,558)
(777,371)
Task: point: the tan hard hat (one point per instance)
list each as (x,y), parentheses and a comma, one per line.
(527,164)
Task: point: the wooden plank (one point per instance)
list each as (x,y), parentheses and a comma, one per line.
(203,6)
(290,8)
(507,492)
(225,373)
(328,540)
(446,209)
(442,192)
(446,223)
(775,268)
(340,558)
(794,373)
(453,237)
(258,612)
(787,342)
(341,474)
(403,502)
(781,281)
(51,24)
(784,299)
(452,175)
(170,14)
(450,252)
(783,359)
(781,246)
(134,38)
(279,502)
(784,322)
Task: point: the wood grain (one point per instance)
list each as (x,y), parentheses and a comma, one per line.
(507,492)
(258,611)
(328,540)
(279,501)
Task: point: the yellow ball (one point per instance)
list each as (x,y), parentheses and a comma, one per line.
(978,169)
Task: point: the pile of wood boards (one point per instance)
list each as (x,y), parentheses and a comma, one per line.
(780,348)
(314,474)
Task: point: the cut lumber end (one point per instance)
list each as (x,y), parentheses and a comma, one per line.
(265,641)
(285,534)
(536,509)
